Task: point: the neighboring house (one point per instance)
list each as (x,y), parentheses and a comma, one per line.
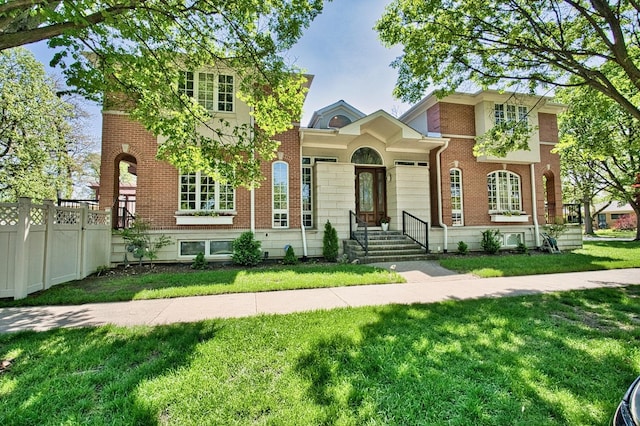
(346,161)
(610,214)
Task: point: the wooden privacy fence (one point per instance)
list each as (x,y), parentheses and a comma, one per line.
(42,245)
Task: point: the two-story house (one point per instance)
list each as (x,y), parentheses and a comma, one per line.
(351,169)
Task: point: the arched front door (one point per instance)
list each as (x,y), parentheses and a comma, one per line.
(371,196)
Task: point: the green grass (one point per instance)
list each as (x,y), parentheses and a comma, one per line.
(220,281)
(614,233)
(555,359)
(595,255)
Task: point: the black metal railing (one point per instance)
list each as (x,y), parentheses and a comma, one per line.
(67,202)
(416,229)
(125,208)
(361,238)
(572,213)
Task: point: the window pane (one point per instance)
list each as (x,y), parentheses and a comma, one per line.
(306,196)
(207,193)
(188,192)
(365,187)
(280,194)
(191,248)
(225,93)
(206,90)
(227,196)
(220,247)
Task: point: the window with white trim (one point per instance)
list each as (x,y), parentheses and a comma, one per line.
(307,189)
(207,247)
(280,194)
(504,191)
(199,192)
(455,180)
(510,113)
(213,91)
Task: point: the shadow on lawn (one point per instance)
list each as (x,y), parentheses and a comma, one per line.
(82,376)
(496,362)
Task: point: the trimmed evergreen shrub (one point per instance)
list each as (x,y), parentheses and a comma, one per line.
(246,250)
(199,262)
(491,241)
(330,245)
(290,257)
(463,248)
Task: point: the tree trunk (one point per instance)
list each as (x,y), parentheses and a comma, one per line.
(588,221)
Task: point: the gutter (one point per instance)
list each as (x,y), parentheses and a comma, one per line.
(439,183)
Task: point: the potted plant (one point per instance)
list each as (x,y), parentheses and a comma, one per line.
(384,222)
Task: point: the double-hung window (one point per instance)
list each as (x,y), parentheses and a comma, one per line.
(215,92)
(455,180)
(504,191)
(280,193)
(199,192)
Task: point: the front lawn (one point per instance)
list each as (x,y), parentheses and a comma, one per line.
(207,282)
(595,255)
(555,359)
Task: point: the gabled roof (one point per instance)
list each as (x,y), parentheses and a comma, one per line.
(396,135)
(322,116)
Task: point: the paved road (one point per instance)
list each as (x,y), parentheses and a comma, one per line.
(427,282)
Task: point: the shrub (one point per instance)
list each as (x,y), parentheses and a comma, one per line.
(491,241)
(138,241)
(463,248)
(290,257)
(199,262)
(556,229)
(330,243)
(626,223)
(246,250)
(522,248)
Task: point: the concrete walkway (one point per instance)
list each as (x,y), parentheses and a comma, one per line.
(427,282)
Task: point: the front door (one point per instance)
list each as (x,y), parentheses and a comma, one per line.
(371,194)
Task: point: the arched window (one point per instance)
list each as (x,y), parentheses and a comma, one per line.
(366,156)
(280,194)
(338,121)
(455,180)
(504,191)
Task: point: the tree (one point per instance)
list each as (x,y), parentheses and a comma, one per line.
(139,50)
(600,143)
(34,130)
(511,42)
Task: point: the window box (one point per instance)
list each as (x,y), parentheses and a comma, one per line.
(501,217)
(204,220)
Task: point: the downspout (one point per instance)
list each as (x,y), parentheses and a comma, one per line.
(304,235)
(439,183)
(536,226)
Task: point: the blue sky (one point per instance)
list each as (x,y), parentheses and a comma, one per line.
(340,48)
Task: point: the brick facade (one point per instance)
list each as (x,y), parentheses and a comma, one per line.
(158,182)
(457,122)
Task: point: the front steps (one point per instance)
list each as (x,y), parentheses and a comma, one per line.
(385,246)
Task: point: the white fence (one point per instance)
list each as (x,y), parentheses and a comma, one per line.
(42,245)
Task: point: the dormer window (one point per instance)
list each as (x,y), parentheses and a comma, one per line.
(510,113)
(339,121)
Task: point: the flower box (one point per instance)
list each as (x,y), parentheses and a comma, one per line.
(204,220)
(510,218)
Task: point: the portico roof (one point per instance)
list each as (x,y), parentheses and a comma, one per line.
(397,136)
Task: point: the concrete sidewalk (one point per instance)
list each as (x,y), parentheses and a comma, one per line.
(427,283)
